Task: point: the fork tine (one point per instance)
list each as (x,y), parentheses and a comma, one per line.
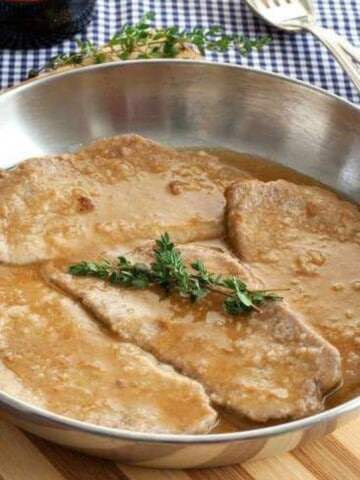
(279,3)
(276,11)
(273,3)
(262,3)
(259,3)
(290,2)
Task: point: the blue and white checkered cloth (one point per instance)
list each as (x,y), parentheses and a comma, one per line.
(300,56)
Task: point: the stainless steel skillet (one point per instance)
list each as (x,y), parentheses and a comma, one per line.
(188,104)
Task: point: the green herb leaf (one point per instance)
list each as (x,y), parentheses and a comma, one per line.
(142,40)
(168,271)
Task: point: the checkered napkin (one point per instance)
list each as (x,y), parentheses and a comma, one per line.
(300,56)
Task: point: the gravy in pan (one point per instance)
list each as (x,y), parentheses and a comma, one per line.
(251,167)
(266,171)
(260,168)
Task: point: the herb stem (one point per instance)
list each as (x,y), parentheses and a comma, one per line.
(143,40)
(169,272)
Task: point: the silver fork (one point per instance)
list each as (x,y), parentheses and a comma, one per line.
(299,15)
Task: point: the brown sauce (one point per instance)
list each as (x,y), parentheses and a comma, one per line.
(266,170)
(261,168)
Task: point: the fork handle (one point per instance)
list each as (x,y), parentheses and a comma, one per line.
(341,49)
(354,52)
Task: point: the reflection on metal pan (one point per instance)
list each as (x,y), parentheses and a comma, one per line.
(184,103)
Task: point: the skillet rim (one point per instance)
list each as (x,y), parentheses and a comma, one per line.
(31,413)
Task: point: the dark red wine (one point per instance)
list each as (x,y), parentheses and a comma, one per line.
(39,23)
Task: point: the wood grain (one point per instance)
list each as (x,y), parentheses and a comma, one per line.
(25,457)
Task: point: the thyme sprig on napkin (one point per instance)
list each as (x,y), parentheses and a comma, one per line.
(143,41)
(169,271)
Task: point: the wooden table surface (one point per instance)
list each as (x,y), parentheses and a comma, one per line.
(24,457)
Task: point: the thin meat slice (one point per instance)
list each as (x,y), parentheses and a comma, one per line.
(110,193)
(265,365)
(53,355)
(305,238)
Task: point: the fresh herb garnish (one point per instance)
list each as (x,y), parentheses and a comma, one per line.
(168,271)
(143,41)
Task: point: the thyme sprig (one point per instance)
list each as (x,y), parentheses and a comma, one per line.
(169,271)
(143,41)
